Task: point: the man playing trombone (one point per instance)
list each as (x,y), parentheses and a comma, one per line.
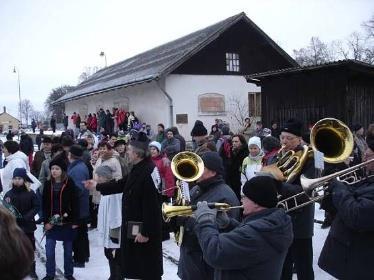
(348,252)
(300,254)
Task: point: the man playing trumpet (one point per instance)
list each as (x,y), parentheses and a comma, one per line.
(253,249)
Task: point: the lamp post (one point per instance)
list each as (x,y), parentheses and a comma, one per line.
(104,55)
(16,70)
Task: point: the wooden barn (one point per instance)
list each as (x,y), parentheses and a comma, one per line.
(342,89)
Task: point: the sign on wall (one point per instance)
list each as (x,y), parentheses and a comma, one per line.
(181,118)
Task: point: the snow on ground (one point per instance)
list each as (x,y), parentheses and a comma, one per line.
(97,268)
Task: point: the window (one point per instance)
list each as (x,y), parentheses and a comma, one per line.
(232,62)
(212,104)
(254,103)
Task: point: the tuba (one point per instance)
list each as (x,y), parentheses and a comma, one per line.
(334,139)
(186,167)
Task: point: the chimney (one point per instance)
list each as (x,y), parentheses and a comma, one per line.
(4,109)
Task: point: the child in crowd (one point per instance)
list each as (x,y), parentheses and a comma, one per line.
(252,163)
(60,215)
(109,222)
(25,201)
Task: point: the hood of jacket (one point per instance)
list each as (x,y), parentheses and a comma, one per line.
(274,226)
(18,155)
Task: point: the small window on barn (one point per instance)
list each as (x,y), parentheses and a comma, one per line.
(212,104)
(232,62)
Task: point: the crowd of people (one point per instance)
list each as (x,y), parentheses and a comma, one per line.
(95,177)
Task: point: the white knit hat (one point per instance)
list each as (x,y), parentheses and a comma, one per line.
(255,141)
(155,144)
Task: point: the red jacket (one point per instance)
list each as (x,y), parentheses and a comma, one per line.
(94,123)
(167,177)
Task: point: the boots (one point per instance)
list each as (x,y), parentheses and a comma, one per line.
(32,274)
(115,270)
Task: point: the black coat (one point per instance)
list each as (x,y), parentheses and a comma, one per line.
(303,218)
(254,249)
(140,203)
(233,165)
(26,145)
(69,197)
(348,252)
(191,264)
(26,202)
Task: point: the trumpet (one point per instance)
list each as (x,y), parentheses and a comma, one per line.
(169,211)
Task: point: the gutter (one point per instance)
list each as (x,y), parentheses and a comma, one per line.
(171,107)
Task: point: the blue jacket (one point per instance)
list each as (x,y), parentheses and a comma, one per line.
(78,171)
(254,249)
(348,252)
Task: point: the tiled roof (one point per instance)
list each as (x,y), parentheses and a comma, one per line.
(159,61)
(346,62)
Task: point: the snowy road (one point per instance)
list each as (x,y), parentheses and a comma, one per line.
(97,268)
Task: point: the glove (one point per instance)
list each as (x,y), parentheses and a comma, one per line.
(204,214)
(223,220)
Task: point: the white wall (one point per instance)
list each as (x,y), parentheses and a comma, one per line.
(151,105)
(185,90)
(147,101)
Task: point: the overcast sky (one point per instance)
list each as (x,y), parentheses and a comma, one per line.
(51,42)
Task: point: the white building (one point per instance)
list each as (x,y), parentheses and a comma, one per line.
(199,76)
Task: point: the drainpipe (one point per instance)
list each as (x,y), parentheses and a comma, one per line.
(170,103)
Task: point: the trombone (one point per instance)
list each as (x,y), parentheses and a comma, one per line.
(315,189)
(335,140)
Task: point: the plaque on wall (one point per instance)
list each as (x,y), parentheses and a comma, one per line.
(182,118)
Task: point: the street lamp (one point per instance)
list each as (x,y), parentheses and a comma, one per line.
(104,55)
(16,70)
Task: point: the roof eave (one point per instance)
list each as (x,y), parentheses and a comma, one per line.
(105,90)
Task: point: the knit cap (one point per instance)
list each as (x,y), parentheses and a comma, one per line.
(255,141)
(262,190)
(155,144)
(213,162)
(104,171)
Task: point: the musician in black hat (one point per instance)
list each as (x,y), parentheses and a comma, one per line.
(300,254)
(141,233)
(212,188)
(254,248)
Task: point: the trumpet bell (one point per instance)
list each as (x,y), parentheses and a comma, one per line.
(333,138)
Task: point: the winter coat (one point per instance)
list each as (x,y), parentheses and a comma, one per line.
(66,121)
(36,165)
(140,203)
(53,122)
(254,249)
(44,173)
(26,144)
(167,177)
(348,252)
(303,218)
(93,124)
(102,117)
(78,172)
(233,167)
(69,198)
(171,147)
(191,264)
(249,168)
(160,137)
(16,160)
(26,202)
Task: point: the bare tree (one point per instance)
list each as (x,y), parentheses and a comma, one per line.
(57,109)
(238,112)
(88,72)
(26,108)
(38,116)
(317,52)
(369,27)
